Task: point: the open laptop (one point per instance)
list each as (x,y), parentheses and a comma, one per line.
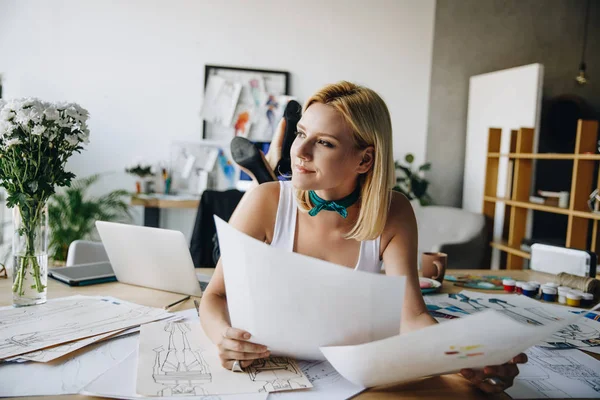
(150,257)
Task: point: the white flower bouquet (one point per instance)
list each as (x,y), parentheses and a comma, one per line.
(36,140)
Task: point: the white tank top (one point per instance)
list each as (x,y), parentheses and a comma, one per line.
(285,228)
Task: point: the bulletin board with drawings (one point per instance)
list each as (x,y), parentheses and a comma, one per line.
(243,102)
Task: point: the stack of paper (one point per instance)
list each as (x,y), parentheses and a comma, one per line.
(71,336)
(555,368)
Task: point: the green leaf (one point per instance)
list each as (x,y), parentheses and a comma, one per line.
(409,158)
(425,167)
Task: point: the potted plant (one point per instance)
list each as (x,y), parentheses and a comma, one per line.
(72,214)
(412,183)
(143,171)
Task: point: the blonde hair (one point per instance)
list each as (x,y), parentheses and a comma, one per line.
(368,117)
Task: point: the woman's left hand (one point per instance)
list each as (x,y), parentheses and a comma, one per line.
(497,378)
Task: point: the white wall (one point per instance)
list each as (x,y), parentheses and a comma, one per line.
(138,66)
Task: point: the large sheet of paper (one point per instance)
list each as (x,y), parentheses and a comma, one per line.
(581,334)
(23,330)
(65,376)
(119,383)
(177,358)
(486,338)
(327,384)
(557,374)
(52,353)
(293,304)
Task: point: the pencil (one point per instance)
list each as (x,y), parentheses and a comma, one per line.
(177,302)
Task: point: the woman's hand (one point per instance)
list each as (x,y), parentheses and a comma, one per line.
(502,375)
(235,347)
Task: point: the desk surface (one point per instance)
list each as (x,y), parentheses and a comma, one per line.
(151,202)
(447,386)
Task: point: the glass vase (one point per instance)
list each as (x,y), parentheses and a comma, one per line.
(30,254)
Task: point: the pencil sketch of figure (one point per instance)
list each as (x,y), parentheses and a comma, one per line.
(540,312)
(181,369)
(275,372)
(81,323)
(505,309)
(576,332)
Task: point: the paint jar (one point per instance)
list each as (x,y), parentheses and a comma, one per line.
(573,299)
(562,294)
(549,294)
(536,285)
(529,290)
(551,284)
(519,287)
(587,300)
(509,285)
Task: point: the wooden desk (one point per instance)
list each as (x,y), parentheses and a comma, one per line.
(441,387)
(152,207)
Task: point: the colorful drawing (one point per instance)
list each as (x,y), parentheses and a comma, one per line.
(464,351)
(242,124)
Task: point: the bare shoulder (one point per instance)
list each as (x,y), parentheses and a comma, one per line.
(400,211)
(400,220)
(256,212)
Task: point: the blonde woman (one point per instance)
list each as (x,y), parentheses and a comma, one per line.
(338,207)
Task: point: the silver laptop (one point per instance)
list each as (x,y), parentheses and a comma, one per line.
(150,257)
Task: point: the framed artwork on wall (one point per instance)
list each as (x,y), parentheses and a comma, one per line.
(243,102)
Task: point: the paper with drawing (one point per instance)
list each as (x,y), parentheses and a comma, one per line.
(177,358)
(293,303)
(581,334)
(23,330)
(66,376)
(557,374)
(119,383)
(486,338)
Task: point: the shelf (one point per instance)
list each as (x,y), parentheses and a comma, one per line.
(531,206)
(547,156)
(541,207)
(503,245)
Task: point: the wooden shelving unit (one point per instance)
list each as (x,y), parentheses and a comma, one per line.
(517,207)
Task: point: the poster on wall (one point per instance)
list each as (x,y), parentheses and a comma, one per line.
(259,106)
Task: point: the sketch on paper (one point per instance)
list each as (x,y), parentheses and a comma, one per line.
(584,333)
(64,320)
(557,374)
(68,376)
(220,100)
(178,359)
(276,373)
(180,369)
(327,384)
(54,352)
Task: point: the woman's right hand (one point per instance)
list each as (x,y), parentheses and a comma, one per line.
(235,346)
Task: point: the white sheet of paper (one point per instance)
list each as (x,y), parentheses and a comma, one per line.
(220,99)
(293,304)
(557,374)
(64,377)
(27,329)
(119,383)
(52,353)
(177,358)
(328,384)
(475,341)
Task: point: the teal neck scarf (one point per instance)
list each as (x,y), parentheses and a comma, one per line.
(339,206)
